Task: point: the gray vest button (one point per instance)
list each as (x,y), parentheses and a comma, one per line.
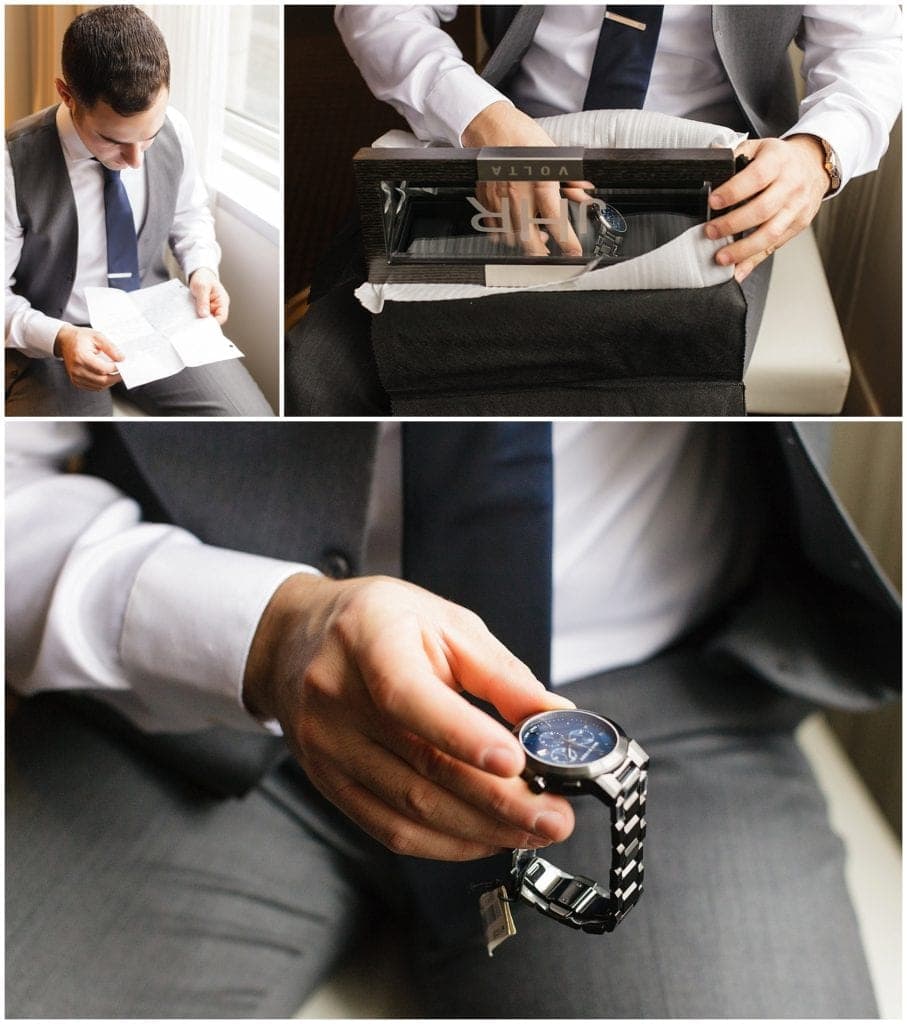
(336,565)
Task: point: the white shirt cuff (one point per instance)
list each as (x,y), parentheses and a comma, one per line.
(201,257)
(456,98)
(827,125)
(214,600)
(38,334)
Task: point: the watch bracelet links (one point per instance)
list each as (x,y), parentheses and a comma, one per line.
(578,901)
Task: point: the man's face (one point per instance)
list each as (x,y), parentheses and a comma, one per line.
(117,141)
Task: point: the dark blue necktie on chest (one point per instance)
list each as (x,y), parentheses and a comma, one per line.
(477,525)
(122,244)
(623,58)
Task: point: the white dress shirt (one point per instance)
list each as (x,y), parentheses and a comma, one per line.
(192,235)
(654,529)
(851,64)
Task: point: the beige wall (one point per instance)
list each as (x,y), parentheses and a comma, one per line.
(860,239)
(859,235)
(865,467)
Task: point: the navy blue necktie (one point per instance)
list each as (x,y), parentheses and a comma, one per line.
(122,244)
(623,58)
(477,525)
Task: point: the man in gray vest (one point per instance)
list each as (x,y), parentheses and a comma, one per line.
(97,188)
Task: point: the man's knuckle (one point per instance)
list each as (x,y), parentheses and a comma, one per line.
(512,665)
(764,174)
(420,801)
(305,731)
(346,623)
(399,839)
(431,762)
(388,692)
(318,679)
(774,233)
(499,805)
(468,620)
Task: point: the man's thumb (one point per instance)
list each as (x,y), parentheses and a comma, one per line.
(203,301)
(108,348)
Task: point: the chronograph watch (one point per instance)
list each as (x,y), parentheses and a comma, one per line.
(571,753)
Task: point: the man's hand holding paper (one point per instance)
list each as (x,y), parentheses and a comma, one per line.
(159,330)
(211,298)
(90,358)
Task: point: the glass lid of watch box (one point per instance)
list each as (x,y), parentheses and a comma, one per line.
(464,224)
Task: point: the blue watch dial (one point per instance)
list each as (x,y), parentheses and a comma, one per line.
(568,738)
(608,217)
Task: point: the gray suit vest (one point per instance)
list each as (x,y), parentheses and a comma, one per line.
(47,210)
(752,43)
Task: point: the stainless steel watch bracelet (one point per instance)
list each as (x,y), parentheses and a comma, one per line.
(578,901)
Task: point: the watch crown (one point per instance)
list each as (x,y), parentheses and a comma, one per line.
(537,784)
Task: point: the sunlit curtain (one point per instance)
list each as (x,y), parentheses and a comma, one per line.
(33,41)
(197,38)
(50,23)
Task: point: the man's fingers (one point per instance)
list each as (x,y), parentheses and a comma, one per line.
(106,346)
(433,790)
(770,237)
(91,381)
(404,683)
(539,818)
(484,667)
(758,174)
(522,211)
(522,203)
(743,270)
(202,293)
(96,366)
(415,692)
(775,201)
(420,702)
(391,828)
(220,305)
(578,191)
(552,208)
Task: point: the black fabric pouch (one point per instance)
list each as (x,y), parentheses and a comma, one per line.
(664,352)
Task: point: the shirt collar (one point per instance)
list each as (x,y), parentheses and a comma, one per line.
(73,147)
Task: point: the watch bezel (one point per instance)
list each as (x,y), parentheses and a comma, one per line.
(593,769)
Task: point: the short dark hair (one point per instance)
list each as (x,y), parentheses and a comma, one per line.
(116,54)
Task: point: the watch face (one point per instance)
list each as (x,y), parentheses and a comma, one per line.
(568,738)
(609,217)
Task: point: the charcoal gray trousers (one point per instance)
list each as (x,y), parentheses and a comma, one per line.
(131,894)
(41,387)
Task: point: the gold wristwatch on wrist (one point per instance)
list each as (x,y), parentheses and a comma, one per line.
(831,166)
